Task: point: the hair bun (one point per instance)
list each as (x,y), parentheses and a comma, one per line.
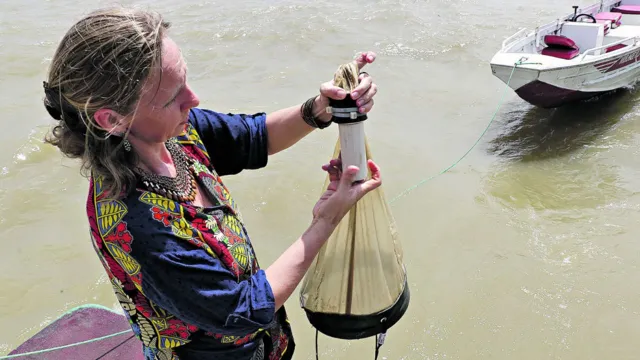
(49,101)
(53,111)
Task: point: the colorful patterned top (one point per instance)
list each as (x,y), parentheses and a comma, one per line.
(187,277)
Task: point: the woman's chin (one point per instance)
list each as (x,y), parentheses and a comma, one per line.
(181,128)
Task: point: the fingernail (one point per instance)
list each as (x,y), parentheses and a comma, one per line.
(354,94)
(361,110)
(342,93)
(359,102)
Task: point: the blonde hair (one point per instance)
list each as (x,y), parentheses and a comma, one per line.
(103,61)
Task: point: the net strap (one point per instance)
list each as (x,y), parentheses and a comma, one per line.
(379,342)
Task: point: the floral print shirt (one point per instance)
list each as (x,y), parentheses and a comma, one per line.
(187,277)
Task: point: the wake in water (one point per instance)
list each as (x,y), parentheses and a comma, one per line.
(528,133)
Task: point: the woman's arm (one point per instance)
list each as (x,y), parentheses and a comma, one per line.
(289,269)
(286,127)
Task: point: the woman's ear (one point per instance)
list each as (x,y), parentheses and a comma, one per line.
(110,121)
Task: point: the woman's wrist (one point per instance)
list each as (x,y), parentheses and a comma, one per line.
(323,226)
(320,109)
(313,112)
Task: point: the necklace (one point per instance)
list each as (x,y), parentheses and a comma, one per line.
(180,188)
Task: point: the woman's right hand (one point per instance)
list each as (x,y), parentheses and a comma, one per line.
(342,193)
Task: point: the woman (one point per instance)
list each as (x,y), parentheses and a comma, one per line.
(163,224)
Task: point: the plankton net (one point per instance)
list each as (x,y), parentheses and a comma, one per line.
(357,285)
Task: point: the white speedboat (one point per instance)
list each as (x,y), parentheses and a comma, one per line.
(590,52)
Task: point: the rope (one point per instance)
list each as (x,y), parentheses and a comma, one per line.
(66,346)
(495,114)
(317,356)
(115,347)
(405,192)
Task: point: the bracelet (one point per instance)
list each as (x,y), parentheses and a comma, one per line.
(306,111)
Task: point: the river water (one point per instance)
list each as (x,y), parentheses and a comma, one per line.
(524,250)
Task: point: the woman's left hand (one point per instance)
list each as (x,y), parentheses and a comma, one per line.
(363,93)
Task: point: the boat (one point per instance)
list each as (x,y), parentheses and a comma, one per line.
(589,52)
(87,332)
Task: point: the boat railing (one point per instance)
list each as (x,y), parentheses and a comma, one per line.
(511,39)
(593,50)
(538,32)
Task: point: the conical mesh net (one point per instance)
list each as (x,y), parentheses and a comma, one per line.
(359,272)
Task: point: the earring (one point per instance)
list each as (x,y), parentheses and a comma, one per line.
(127,145)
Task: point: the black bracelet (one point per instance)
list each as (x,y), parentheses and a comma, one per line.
(306,111)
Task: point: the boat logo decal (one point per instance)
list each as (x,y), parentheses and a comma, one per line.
(618,63)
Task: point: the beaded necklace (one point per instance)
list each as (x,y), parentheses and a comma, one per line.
(181,188)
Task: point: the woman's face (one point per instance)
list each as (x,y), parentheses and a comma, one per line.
(166,99)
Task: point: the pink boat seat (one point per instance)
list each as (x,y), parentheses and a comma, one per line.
(627,9)
(566,54)
(613,18)
(559,41)
(615,47)
(560,47)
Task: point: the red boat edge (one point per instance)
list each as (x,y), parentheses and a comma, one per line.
(84,323)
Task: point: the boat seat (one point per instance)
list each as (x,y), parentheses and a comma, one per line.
(627,9)
(611,18)
(561,47)
(615,47)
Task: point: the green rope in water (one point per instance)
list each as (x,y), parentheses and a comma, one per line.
(495,114)
(394,199)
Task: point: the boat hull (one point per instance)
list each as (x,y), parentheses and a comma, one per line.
(549,85)
(541,94)
(83,324)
